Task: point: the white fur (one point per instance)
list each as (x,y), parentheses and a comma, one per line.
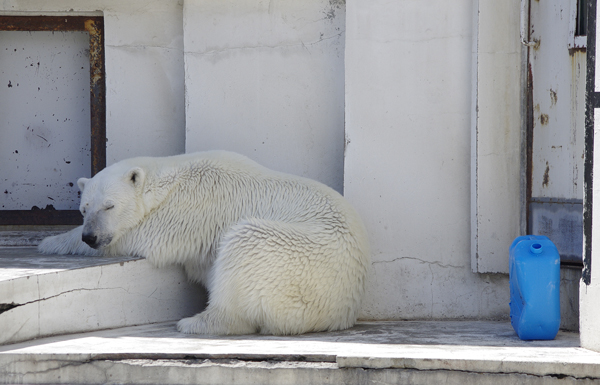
(279,254)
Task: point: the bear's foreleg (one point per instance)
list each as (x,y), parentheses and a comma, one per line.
(215,322)
(67,243)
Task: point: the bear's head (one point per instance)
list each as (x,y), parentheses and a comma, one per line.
(111,204)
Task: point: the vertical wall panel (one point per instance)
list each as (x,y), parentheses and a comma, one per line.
(497,152)
(44,118)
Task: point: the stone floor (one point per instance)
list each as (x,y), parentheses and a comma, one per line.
(488,348)
(74,315)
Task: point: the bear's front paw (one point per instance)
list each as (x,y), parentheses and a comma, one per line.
(46,246)
(55,244)
(188,325)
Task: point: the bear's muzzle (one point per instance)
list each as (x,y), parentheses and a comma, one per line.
(90,239)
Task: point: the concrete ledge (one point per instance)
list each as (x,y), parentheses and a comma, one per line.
(53,295)
(565,362)
(49,295)
(200,372)
(458,352)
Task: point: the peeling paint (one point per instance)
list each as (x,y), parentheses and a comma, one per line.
(334,6)
(558,91)
(546,178)
(553,97)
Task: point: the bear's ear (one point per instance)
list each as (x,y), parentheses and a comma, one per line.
(136,176)
(81,183)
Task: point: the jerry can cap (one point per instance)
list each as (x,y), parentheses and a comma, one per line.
(536,248)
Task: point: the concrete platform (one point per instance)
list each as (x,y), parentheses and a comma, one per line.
(44,295)
(460,352)
(53,310)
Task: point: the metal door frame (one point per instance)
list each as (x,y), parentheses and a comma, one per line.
(592,101)
(95,27)
(529,201)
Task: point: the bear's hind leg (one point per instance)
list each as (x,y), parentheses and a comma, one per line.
(215,322)
(285,278)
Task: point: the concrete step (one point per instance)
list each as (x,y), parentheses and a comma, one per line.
(411,352)
(68,319)
(43,295)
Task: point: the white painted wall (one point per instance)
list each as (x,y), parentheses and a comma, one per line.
(407,164)
(44,114)
(266,79)
(144,70)
(498,156)
(145,78)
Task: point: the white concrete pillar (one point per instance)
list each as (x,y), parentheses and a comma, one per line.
(589,292)
(407,164)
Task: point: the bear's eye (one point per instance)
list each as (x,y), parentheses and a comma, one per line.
(109,207)
(83,211)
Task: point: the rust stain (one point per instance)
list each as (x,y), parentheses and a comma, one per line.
(529,139)
(546,179)
(544,118)
(96,49)
(95,27)
(41,23)
(553,97)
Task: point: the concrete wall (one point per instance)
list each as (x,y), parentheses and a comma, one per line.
(266,79)
(407,164)
(44,114)
(144,70)
(145,78)
(498,151)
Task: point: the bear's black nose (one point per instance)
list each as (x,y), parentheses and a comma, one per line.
(90,239)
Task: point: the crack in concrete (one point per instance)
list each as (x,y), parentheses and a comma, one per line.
(104,366)
(431,287)
(301,44)
(437,263)
(500,373)
(6,307)
(144,46)
(60,365)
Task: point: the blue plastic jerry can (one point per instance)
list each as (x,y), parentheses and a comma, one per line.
(534,287)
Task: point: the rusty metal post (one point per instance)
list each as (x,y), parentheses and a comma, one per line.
(592,101)
(95,27)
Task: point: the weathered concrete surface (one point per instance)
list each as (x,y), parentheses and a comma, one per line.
(455,352)
(266,79)
(192,371)
(43,295)
(408,157)
(144,71)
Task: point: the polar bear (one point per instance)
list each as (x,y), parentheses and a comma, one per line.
(279,254)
